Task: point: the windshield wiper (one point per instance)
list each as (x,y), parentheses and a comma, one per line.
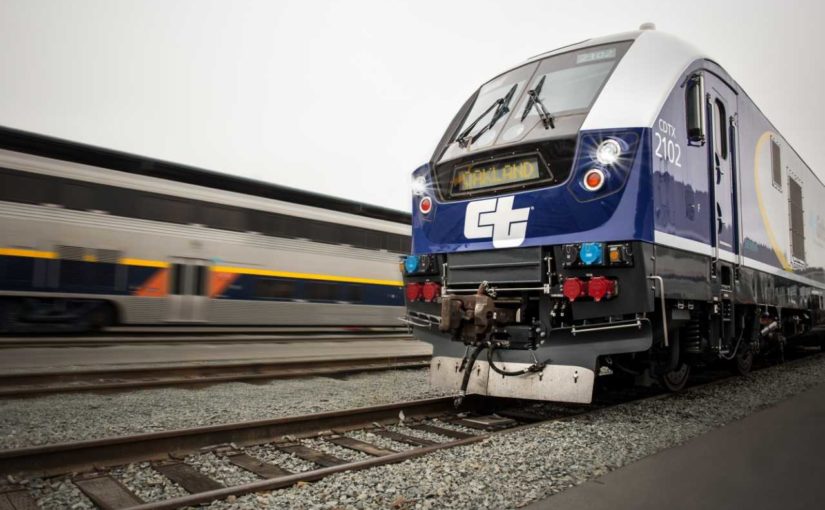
(535,100)
(502,108)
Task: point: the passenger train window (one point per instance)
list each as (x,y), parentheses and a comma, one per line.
(21,187)
(225,218)
(373,240)
(776,165)
(326,232)
(80,276)
(28,189)
(352,293)
(77,196)
(17,272)
(720,139)
(165,209)
(277,289)
(322,291)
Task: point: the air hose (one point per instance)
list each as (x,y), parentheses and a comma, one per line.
(470,360)
(467,366)
(535,367)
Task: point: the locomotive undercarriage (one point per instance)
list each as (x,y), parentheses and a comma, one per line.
(528,339)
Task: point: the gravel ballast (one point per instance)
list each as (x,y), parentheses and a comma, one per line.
(79,416)
(513,469)
(509,470)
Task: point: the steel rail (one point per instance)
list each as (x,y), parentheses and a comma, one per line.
(317,474)
(306,476)
(83,455)
(48,382)
(103,340)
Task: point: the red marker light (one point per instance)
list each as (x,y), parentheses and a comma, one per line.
(573,288)
(425,205)
(413,291)
(600,287)
(431,291)
(593,180)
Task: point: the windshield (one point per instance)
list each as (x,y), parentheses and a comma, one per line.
(490,93)
(571,83)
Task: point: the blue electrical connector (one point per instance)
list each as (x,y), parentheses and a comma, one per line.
(411,264)
(592,253)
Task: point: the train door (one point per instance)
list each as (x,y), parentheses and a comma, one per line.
(722,161)
(188,290)
(722,158)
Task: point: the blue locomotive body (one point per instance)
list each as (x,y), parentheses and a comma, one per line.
(558,214)
(619,205)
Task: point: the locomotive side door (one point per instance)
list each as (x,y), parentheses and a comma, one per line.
(722,156)
(722,167)
(188,290)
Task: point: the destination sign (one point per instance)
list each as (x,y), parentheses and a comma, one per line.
(495,174)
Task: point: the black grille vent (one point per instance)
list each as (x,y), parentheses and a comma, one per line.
(519,265)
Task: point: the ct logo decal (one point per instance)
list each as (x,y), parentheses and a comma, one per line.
(496,218)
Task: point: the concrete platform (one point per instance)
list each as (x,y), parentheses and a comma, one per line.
(28,360)
(772,459)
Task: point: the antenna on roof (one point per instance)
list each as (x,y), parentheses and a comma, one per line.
(647,26)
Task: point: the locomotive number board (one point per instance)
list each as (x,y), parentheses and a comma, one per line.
(499,173)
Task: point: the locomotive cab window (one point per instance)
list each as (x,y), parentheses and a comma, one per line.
(694,107)
(521,129)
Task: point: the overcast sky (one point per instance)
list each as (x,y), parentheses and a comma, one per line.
(347,98)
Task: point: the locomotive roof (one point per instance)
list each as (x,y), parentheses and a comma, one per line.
(65,150)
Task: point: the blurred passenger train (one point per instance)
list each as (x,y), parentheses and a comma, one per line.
(91,237)
(620,206)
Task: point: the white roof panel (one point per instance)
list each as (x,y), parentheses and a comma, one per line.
(642,81)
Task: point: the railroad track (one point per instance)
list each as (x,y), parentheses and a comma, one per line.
(102,340)
(110,379)
(415,429)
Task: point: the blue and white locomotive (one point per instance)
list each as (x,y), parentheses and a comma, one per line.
(615,206)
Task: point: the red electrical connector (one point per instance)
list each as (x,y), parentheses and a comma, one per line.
(600,288)
(431,291)
(574,288)
(413,291)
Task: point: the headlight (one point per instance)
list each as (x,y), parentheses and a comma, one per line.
(608,152)
(419,185)
(592,178)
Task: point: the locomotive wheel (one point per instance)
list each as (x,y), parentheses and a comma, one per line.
(9,312)
(100,317)
(675,380)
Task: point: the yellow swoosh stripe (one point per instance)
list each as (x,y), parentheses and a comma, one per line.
(780,255)
(305,276)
